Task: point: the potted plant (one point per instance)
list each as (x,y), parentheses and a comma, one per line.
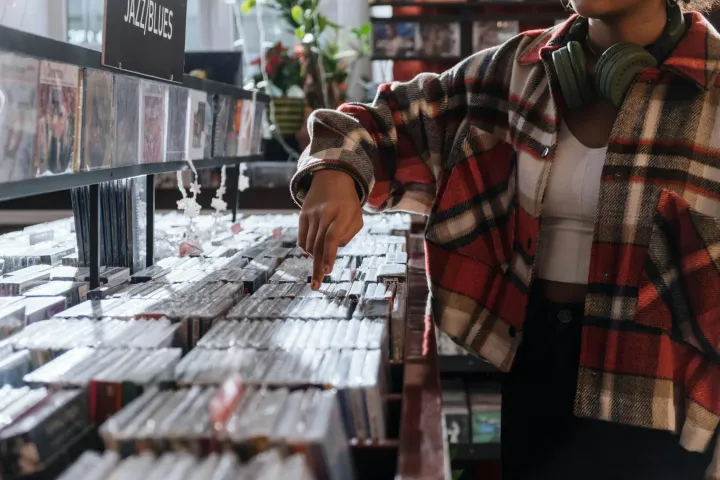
(326,67)
(284,83)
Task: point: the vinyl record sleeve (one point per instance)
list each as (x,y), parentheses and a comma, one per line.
(246,125)
(259,115)
(57,117)
(98,121)
(491,34)
(127,105)
(177,132)
(395,39)
(153,118)
(19,85)
(223,122)
(210,113)
(233,138)
(198,127)
(439,39)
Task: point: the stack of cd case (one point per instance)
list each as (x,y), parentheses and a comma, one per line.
(240,305)
(14,365)
(270,465)
(357,374)
(49,339)
(38,425)
(111,378)
(301,421)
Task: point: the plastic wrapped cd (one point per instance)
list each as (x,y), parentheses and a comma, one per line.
(19,81)
(245,134)
(153,121)
(177,130)
(234,125)
(223,123)
(57,117)
(257,135)
(98,121)
(210,112)
(198,128)
(127,104)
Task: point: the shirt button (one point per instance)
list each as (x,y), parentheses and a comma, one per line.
(618,176)
(545,152)
(606,276)
(565,316)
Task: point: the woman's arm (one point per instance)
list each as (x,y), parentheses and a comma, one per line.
(387,155)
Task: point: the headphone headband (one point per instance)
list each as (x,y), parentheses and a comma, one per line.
(661,49)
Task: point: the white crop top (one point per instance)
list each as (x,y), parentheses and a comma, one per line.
(569,208)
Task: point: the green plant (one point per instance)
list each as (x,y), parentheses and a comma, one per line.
(326,66)
(282,71)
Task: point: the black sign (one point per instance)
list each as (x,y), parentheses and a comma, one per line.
(146,37)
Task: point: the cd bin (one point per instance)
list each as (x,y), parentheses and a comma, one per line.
(222,362)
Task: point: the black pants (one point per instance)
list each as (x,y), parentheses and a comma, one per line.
(541,439)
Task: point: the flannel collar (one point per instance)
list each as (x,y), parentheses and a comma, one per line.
(696,57)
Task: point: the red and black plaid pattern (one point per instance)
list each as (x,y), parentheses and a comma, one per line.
(473,149)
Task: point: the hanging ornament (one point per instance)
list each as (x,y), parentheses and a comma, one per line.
(191,209)
(218,203)
(243,180)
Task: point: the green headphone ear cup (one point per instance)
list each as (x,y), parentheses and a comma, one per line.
(566,78)
(579,68)
(618,68)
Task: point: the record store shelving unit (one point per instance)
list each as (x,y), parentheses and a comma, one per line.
(416,448)
(26,44)
(530,14)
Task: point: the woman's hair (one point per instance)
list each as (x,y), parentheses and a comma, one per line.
(700,5)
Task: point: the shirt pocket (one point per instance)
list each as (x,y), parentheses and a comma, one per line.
(474,212)
(679,290)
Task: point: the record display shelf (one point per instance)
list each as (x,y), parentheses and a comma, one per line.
(446,32)
(42,79)
(411,445)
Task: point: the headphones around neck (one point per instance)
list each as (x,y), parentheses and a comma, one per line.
(616,69)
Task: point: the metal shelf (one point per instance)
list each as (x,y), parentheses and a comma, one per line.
(54,183)
(23,43)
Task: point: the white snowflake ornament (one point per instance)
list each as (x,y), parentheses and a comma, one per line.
(219,205)
(244,180)
(195,188)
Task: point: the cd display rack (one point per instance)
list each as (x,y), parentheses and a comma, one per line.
(128,362)
(455,29)
(43,80)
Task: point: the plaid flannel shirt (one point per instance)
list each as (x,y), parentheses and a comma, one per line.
(472,149)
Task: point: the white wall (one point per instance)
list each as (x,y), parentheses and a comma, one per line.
(26,15)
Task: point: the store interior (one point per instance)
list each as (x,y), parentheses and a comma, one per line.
(155,309)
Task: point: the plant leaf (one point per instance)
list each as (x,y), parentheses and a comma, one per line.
(297,14)
(300,32)
(247,6)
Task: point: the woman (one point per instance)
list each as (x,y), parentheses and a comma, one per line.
(572,189)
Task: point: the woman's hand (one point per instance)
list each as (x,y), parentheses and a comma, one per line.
(331,216)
